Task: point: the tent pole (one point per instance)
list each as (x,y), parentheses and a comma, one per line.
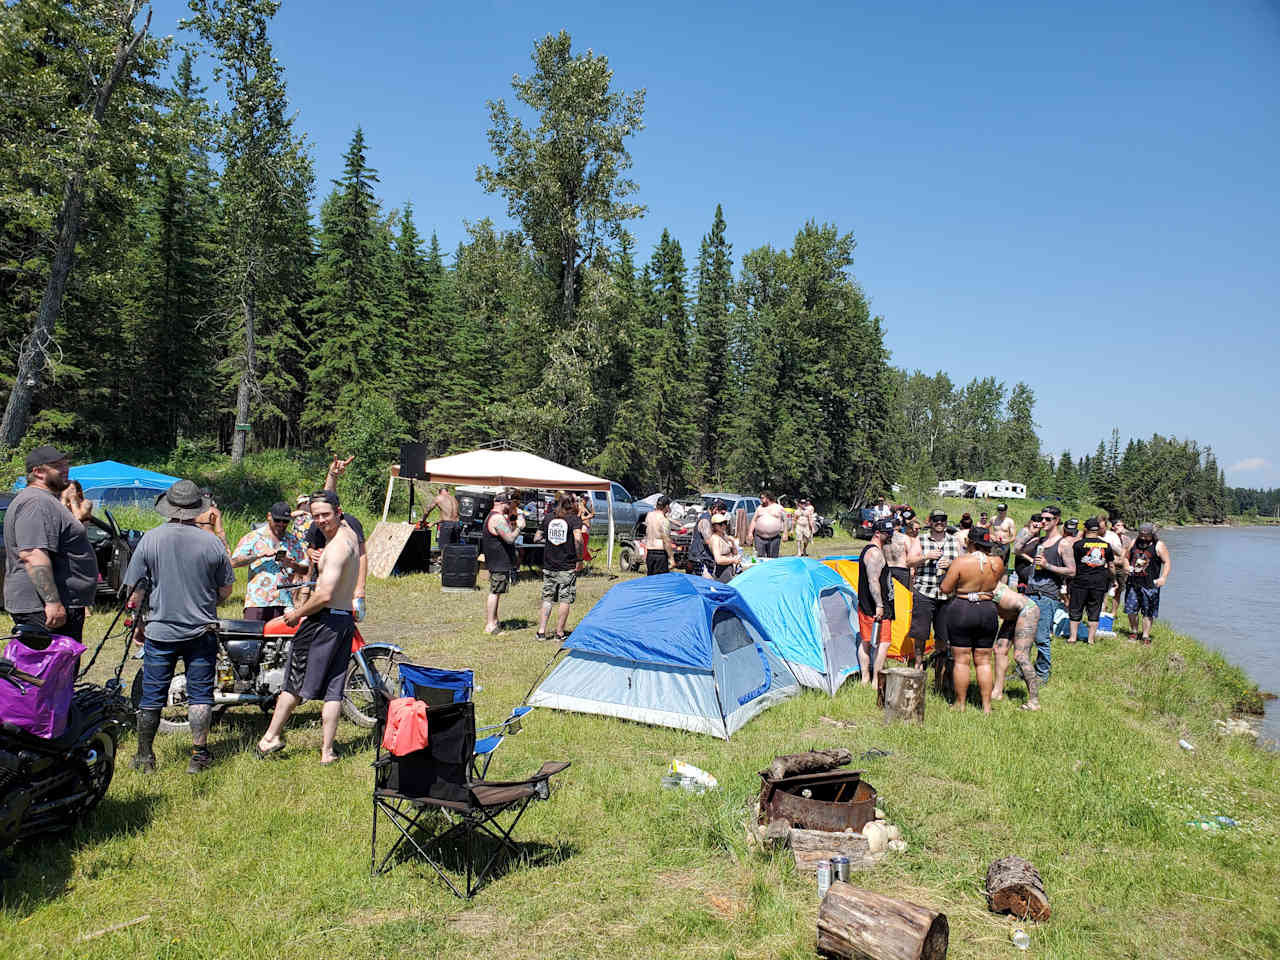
(609,553)
(386,504)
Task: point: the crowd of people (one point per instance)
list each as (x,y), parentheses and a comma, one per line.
(980,589)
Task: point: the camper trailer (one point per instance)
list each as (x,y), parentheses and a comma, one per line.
(955,488)
(1000,490)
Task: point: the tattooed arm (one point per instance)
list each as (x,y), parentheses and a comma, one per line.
(40,570)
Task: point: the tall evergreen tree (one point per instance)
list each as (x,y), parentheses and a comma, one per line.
(710,368)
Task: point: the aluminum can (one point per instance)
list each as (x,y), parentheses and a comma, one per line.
(840,869)
(824,878)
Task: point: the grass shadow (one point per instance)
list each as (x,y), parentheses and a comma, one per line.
(41,867)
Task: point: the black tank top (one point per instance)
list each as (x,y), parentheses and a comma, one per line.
(1145,564)
(1043,582)
(699,552)
(866,603)
(498,554)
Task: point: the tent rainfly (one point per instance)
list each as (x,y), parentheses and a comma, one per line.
(506,468)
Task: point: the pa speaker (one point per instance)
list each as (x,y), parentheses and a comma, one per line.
(458,566)
(413,461)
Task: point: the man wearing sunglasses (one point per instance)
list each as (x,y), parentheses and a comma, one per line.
(1052,566)
(273,555)
(937,551)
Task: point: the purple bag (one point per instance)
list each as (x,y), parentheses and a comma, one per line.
(42,710)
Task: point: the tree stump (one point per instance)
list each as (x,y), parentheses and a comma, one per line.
(1014,886)
(903,695)
(815,761)
(811,847)
(856,924)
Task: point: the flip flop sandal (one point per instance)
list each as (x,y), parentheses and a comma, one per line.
(265,754)
(539,636)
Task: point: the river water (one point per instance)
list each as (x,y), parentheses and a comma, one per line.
(1225,592)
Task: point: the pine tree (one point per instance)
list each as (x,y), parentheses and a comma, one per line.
(709,368)
(349,329)
(413,322)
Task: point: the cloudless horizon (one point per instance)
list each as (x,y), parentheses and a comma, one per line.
(1083,198)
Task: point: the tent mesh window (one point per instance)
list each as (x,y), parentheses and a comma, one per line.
(730,633)
(741,668)
(835,610)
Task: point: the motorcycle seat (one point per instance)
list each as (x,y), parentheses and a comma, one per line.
(244,628)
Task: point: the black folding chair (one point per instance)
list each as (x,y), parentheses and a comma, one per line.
(435,784)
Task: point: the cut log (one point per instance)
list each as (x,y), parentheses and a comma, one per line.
(811,847)
(815,761)
(1014,886)
(857,924)
(903,695)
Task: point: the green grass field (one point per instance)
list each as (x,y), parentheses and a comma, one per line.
(270,859)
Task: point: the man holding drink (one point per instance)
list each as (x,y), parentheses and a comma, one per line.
(937,550)
(273,554)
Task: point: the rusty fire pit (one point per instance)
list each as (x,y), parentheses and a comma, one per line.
(838,800)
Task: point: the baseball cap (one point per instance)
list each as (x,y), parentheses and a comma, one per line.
(326,496)
(502,497)
(1073,525)
(1056,511)
(1002,507)
(303,499)
(938,515)
(981,536)
(1092,524)
(883,525)
(44,455)
(280,511)
(1147,528)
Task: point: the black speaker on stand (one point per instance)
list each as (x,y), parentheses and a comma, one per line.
(459,568)
(413,461)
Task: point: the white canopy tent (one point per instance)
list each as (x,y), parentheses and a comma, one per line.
(506,468)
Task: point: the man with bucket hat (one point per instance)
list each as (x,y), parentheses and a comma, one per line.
(51,573)
(189,574)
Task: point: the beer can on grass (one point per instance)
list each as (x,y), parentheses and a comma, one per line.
(824,878)
(840,869)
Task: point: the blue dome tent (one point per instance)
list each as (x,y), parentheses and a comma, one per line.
(808,610)
(112,484)
(673,651)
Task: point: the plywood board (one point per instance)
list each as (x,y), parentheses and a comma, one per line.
(385,545)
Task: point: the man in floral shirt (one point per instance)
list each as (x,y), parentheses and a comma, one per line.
(273,555)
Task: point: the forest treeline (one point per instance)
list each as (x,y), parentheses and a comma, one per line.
(207,306)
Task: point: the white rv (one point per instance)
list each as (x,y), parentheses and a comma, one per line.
(955,488)
(1000,490)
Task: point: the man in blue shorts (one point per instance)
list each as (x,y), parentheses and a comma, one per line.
(1149,569)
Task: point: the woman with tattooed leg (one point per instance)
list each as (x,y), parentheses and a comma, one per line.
(1020,616)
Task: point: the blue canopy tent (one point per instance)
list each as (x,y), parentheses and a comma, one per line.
(670,650)
(808,610)
(110,483)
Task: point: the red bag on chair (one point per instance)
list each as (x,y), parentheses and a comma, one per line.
(406,729)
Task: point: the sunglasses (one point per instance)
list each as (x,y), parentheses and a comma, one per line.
(1047,519)
(937,519)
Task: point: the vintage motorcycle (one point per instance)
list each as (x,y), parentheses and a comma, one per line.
(250,670)
(47,785)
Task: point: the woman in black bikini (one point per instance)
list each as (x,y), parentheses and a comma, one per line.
(972,620)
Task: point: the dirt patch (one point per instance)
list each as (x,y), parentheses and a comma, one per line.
(476,923)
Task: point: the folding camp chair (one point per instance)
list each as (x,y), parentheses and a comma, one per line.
(437,687)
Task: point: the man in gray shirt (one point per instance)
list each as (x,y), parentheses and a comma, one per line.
(50,574)
(188,574)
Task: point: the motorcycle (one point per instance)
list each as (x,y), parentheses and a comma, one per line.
(825,528)
(48,785)
(250,670)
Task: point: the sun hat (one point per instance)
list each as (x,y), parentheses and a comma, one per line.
(182,501)
(719,518)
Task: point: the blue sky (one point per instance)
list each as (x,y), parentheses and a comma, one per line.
(1084,197)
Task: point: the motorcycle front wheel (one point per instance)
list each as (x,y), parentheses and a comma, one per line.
(357,698)
(100,759)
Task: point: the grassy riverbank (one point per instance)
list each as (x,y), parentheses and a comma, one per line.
(271,859)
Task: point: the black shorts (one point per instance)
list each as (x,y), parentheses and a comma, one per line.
(449,532)
(972,623)
(1087,601)
(656,561)
(926,615)
(902,575)
(320,656)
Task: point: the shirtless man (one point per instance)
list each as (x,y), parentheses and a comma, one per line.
(1116,536)
(321,648)
(1021,616)
(972,621)
(659,550)
(806,523)
(767,525)
(895,555)
(448,530)
(1003,529)
(915,552)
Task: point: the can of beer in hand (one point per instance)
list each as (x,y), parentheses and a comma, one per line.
(840,869)
(824,878)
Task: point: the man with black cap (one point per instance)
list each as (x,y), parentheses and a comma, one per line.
(1003,529)
(928,602)
(51,573)
(1149,569)
(188,573)
(1095,561)
(875,601)
(273,555)
(1051,566)
(316,541)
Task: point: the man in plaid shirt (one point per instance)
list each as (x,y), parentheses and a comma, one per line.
(927,601)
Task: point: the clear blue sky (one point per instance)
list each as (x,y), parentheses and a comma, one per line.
(1084,197)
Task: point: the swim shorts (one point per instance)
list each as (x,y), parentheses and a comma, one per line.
(1142,600)
(972,623)
(867,628)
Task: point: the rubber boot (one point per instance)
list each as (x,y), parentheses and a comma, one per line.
(148,724)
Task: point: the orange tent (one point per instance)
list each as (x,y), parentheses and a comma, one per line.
(900,645)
